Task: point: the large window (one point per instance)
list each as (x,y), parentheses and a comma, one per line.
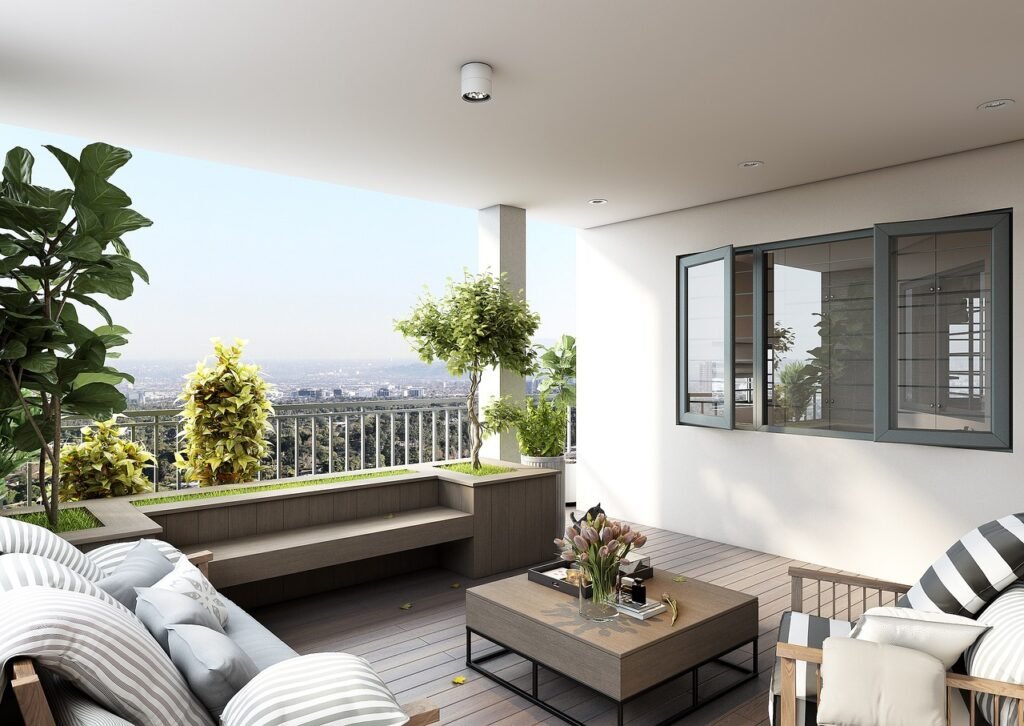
(897,333)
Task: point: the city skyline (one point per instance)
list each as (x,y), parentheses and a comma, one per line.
(302,270)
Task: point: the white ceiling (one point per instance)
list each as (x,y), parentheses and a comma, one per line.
(649,104)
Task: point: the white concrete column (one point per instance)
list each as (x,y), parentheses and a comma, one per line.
(502,233)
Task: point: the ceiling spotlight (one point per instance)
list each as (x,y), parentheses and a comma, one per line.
(996,103)
(476,82)
(750,164)
(597,202)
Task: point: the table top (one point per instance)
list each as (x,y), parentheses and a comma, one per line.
(700,604)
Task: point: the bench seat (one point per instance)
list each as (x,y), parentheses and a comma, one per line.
(261,556)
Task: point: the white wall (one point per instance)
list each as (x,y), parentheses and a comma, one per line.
(886,510)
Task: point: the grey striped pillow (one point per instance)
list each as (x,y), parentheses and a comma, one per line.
(972,572)
(22,570)
(314,690)
(109,557)
(100,650)
(997,654)
(71,707)
(21,537)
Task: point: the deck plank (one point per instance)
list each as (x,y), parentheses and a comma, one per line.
(420,650)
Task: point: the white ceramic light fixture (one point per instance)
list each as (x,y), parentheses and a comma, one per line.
(995,104)
(476,82)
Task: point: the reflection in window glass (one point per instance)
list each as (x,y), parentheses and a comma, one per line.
(705,339)
(819,325)
(743,339)
(943,328)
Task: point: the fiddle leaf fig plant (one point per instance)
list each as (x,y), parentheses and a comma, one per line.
(60,249)
(557,372)
(225,420)
(477,325)
(103,464)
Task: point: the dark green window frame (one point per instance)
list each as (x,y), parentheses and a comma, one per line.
(683,413)
(1000,437)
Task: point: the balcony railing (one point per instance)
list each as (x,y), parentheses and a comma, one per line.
(322,438)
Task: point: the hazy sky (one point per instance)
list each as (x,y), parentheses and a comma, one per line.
(300,268)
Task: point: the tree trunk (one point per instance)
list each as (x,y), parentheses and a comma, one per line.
(475,428)
(54,511)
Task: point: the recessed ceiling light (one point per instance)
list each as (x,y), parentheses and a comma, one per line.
(750,164)
(995,103)
(597,202)
(476,82)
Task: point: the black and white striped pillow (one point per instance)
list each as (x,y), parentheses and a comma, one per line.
(21,570)
(811,631)
(972,572)
(101,651)
(315,690)
(109,557)
(21,537)
(997,654)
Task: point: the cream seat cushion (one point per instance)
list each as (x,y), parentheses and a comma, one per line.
(866,684)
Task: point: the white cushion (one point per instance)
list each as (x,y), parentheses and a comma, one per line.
(939,635)
(866,684)
(186,579)
(322,688)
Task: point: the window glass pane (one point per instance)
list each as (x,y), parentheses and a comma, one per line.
(943,331)
(819,334)
(705,339)
(743,339)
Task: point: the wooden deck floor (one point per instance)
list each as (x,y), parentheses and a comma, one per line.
(418,651)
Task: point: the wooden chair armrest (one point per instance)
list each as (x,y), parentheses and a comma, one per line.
(799,574)
(201,560)
(422,713)
(29,693)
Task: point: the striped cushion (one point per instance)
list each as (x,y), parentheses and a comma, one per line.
(809,630)
(22,537)
(997,654)
(312,690)
(71,707)
(22,570)
(101,651)
(972,572)
(108,557)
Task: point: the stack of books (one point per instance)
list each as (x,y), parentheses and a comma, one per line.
(640,612)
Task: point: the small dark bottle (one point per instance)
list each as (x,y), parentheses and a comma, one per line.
(639,592)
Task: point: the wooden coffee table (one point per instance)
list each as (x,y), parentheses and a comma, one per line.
(622,659)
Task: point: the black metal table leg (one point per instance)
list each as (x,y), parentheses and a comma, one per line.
(534,678)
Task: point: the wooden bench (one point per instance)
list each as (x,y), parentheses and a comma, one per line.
(35,710)
(262,556)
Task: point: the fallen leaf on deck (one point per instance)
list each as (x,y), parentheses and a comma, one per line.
(456,585)
(679,578)
(459,680)
(405,606)
(391,515)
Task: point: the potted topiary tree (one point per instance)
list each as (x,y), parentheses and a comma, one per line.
(225,420)
(59,250)
(479,324)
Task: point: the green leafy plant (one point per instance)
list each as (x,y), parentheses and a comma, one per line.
(60,249)
(539,425)
(557,372)
(477,325)
(103,464)
(225,420)
(794,390)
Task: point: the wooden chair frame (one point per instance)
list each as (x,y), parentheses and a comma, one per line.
(790,654)
(35,711)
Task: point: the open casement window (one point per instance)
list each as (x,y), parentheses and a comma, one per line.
(706,385)
(942,344)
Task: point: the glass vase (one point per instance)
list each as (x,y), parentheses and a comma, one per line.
(600,605)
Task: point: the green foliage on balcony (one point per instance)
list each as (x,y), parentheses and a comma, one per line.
(103,464)
(68,520)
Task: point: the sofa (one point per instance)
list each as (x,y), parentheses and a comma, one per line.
(62,605)
(967,609)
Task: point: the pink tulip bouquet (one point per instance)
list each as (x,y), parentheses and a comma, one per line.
(596,548)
